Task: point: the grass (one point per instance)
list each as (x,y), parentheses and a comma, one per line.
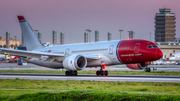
(20,89)
(89,96)
(93,72)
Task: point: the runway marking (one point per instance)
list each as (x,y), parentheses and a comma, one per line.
(95,78)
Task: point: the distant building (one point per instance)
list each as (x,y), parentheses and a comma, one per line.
(109,36)
(96,36)
(169,48)
(40,36)
(12,42)
(54,37)
(177,40)
(61,38)
(131,34)
(7,39)
(165,26)
(85,37)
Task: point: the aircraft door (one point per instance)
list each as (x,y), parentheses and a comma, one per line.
(67,51)
(111,50)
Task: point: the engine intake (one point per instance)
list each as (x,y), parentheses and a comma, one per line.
(75,62)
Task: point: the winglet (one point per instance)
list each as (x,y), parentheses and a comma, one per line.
(21,18)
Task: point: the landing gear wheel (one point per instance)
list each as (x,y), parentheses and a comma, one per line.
(67,73)
(97,73)
(75,73)
(147,69)
(71,73)
(106,73)
(102,73)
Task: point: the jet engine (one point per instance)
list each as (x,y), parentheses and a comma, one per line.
(137,66)
(74,62)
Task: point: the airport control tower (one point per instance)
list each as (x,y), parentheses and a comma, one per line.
(165,25)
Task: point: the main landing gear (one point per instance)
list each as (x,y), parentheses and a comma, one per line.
(71,73)
(147,69)
(101,72)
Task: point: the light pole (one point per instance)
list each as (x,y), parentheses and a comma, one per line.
(36,31)
(150,36)
(15,40)
(120,33)
(88,30)
(129,35)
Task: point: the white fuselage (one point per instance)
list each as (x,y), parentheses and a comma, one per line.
(106,50)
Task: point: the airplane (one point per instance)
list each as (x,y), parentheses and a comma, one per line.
(134,53)
(175,57)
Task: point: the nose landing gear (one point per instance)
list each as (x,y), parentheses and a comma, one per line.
(101,72)
(147,69)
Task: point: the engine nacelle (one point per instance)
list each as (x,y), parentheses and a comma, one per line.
(137,66)
(75,62)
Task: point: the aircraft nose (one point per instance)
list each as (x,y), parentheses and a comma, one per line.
(158,54)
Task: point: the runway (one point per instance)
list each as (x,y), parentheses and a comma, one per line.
(29,66)
(92,77)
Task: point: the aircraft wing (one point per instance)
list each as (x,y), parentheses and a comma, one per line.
(37,54)
(34,54)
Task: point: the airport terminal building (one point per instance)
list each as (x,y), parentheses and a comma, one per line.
(169,48)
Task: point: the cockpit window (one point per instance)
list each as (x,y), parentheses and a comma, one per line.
(149,46)
(152,46)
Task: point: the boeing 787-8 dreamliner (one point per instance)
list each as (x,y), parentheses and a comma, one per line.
(73,57)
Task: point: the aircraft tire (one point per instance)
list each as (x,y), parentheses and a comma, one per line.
(75,73)
(67,73)
(146,69)
(71,73)
(106,73)
(97,73)
(102,73)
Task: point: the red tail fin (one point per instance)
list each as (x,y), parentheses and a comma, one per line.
(21,18)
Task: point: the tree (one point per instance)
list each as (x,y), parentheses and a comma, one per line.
(11,45)
(4,46)
(16,45)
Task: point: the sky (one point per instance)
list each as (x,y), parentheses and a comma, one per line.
(73,17)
